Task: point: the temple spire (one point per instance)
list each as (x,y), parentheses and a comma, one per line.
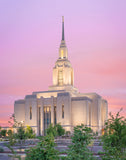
(62,28)
(63,48)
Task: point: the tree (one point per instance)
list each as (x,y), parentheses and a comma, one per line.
(114,140)
(79,149)
(44,150)
(20,130)
(20,135)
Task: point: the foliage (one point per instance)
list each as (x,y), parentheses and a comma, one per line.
(11,137)
(44,150)
(56,130)
(20,135)
(20,131)
(9,132)
(29,132)
(51,130)
(101,152)
(68,133)
(80,141)
(1,149)
(14,153)
(60,130)
(114,140)
(3,132)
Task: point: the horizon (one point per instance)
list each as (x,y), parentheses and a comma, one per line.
(95,36)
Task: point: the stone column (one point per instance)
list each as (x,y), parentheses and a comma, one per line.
(42,116)
(87,115)
(52,109)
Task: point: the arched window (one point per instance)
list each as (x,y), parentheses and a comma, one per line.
(30,112)
(63,111)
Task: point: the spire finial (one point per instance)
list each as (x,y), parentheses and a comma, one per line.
(62,28)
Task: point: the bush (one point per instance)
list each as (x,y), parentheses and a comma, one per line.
(9,132)
(101,152)
(114,139)
(29,132)
(80,141)
(44,150)
(20,135)
(60,130)
(3,132)
(51,130)
(68,133)
(56,130)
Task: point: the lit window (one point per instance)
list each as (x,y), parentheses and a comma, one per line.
(60,77)
(63,111)
(61,53)
(30,112)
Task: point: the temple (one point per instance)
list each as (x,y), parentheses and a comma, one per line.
(62,103)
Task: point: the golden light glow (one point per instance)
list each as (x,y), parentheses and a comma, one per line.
(60,77)
(47,109)
(61,53)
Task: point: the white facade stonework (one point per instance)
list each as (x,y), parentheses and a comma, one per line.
(62,103)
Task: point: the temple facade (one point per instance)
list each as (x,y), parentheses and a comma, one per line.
(62,103)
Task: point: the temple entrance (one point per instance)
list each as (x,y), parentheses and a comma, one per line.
(47,117)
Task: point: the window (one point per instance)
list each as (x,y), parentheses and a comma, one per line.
(47,117)
(30,112)
(55,115)
(61,53)
(63,111)
(60,77)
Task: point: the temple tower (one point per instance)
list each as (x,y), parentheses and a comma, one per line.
(63,72)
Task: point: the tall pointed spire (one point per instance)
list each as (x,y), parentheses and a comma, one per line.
(63,48)
(62,28)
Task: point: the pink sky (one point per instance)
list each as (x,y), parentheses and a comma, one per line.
(30,35)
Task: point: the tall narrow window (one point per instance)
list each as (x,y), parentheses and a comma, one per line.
(47,117)
(30,112)
(55,115)
(63,111)
(60,77)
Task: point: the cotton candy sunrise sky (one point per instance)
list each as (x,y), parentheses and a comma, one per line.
(30,35)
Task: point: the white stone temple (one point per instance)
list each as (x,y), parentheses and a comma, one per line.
(62,103)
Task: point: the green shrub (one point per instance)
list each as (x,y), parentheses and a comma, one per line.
(68,133)
(55,130)
(9,132)
(114,139)
(29,132)
(60,130)
(101,152)
(80,141)
(44,150)
(51,130)
(11,137)
(3,132)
